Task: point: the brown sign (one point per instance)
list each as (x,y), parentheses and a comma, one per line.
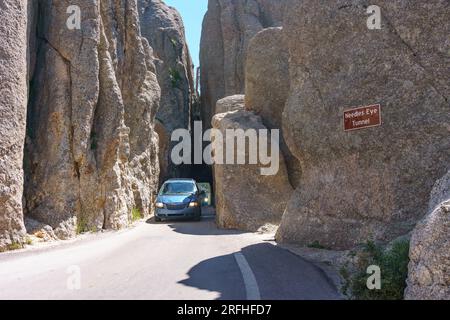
(363,117)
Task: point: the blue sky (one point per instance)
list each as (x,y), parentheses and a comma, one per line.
(192,12)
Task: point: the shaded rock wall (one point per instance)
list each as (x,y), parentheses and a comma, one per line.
(91,147)
(163,27)
(13,101)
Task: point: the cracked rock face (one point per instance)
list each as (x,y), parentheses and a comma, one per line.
(246,199)
(13,101)
(163,27)
(267,87)
(371,183)
(91,147)
(228,28)
(429,267)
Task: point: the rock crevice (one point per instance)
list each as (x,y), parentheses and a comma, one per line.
(163,27)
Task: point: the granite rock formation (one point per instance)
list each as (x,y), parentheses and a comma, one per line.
(429,267)
(231,103)
(228,27)
(245,198)
(91,151)
(368,184)
(267,87)
(163,27)
(13,109)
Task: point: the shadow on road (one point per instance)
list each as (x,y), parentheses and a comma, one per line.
(205,227)
(280,275)
(220,274)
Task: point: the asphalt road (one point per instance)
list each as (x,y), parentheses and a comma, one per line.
(169,260)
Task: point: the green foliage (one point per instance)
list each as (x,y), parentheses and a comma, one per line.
(393,263)
(93,141)
(345,274)
(30,131)
(136,214)
(82,225)
(316,245)
(175,77)
(174,42)
(15,246)
(206,187)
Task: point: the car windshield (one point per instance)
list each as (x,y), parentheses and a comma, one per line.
(177,188)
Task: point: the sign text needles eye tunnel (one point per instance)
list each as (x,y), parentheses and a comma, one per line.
(362,117)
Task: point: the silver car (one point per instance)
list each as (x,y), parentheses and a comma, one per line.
(179,199)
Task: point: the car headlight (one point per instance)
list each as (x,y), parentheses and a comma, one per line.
(193,204)
(159,205)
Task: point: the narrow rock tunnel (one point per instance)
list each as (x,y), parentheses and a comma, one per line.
(180,106)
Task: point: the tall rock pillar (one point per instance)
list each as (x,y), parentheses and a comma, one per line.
(13,108)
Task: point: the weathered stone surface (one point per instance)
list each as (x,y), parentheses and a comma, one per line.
(91,146)
(163,150)
(228,27)
(372,183)
(245,199)
(163,27)
(13,101)
(267,76)
(231,103)
(267,86)
(429,267)
(41,232)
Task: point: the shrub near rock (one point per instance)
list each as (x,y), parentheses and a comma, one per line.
(393,263)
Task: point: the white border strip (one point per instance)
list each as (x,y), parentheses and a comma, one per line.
(251,286)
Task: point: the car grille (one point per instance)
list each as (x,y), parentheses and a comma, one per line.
(178,206)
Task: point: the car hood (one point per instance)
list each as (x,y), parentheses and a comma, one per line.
(183,198)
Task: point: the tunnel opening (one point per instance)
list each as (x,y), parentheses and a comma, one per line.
(202,173)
